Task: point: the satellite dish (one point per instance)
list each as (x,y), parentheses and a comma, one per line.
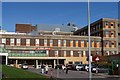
(54,33)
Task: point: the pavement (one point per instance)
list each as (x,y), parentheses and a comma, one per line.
(73,74)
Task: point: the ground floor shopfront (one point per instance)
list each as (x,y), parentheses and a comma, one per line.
(36,61)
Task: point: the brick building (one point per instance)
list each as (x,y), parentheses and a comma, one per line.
(109,31)
(25,28)
(48,44)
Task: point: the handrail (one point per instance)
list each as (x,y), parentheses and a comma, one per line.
(26,55)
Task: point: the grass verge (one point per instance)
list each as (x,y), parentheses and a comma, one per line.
(12,72)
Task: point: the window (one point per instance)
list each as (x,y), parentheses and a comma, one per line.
(18,40)
(64,52)
(107,32)
(71,43)
(71,52)
(112,24)
(112,33)
(119,34)
(64,43)
(4,40)
(76,43)
(112,43)
(107,42)
(97,53)
(84,54)
(82,43)
(37,42)
(42,51)
(45,42)
(70,62)
(27,42)
(106,23)
(12,41)
(99,26)
(118,25)
(107,52)
(119,43)
(113,52)
(51,42)
(56,53)
(78,62)
(93,28)
(59,43)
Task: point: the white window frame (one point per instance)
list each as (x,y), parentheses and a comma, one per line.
(59,42)
(45,42)
(37,42)
(27,42)
(4,40)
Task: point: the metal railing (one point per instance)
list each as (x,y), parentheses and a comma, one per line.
(26,55)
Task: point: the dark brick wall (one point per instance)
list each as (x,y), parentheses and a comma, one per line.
(55,42)
(24,28)
(41,42)
(23,41)
(51,53)
(75,54)
(67,53)
(32,42)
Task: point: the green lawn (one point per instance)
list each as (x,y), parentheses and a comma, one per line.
(12,72)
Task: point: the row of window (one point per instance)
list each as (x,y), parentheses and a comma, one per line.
(96,27)
(65,53)
(109,24)
(45,42)
(108,43)
(108,52)
(109,33)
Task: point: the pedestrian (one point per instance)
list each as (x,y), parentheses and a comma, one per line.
(51,72)
(46,69)
(63,68)
(66,70)
(42,67)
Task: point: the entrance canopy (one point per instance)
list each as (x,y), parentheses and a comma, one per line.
(3,54)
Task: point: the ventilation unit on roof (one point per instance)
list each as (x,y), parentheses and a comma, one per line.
(57,29)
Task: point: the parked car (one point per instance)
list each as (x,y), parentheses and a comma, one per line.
(24,66)
(70,67)
(63,67)
(50,66)
(80,67)
(100,69)
(86,67)
(94,68)
(58,66)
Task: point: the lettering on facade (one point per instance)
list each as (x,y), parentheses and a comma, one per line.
(38,48)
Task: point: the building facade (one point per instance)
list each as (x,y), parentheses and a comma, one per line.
(48,49)
(108,29)
(60,45)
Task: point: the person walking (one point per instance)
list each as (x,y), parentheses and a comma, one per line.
(66,69)
(46,69)
(63,68)
(42,67)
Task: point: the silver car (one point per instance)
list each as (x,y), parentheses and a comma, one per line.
(24,66)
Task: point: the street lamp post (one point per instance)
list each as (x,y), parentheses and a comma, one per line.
(57,65)
(89,44)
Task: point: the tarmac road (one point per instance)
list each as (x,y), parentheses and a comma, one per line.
(71,74)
